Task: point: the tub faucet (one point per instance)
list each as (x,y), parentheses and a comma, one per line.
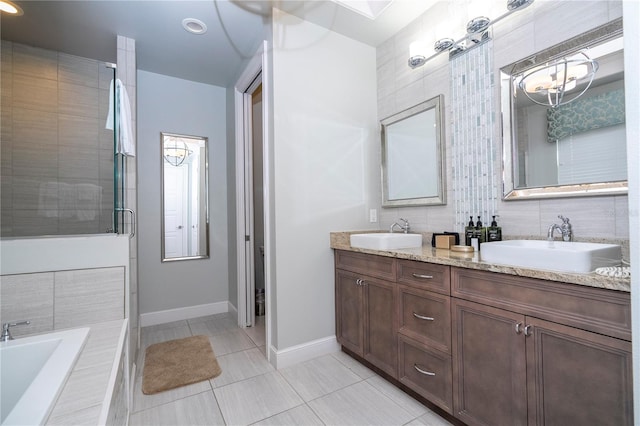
(6,334)
(565,229)
(404,226)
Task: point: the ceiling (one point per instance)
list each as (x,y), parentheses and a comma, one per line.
(89,28)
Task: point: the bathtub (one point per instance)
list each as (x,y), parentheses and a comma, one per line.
(33,371)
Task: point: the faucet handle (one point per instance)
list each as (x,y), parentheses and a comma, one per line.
(565,220)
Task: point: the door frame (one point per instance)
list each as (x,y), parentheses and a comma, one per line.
(257,67)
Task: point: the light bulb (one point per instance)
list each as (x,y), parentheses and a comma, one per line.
(538,83)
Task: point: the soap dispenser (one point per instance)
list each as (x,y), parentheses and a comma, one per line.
(479,235)
(469,231)
(495,232)
(481,231)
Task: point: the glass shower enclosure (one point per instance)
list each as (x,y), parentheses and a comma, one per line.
(61,171)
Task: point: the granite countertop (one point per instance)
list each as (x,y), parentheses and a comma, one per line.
(340,241)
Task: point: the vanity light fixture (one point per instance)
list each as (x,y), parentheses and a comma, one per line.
(477,32)
(548,84)
(194,26)
(175,151)
(10,8)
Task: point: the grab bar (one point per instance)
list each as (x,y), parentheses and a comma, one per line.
(133,220)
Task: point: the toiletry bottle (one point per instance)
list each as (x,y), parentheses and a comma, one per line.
(481,231)
(469,230)
(495,232)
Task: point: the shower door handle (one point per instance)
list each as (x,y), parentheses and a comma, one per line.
(133,220)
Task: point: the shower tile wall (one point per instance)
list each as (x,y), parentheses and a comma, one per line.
(126,60)
(57,162)
(535,28)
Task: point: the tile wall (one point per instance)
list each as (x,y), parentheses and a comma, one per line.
(62,299)
(57,161)
(473,146)
(126,61)
(541,25)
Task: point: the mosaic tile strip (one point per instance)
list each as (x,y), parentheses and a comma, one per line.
(474,148)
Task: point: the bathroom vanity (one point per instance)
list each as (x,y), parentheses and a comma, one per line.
(488,344)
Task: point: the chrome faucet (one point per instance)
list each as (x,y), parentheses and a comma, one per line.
(404,226)
(565,229)
(6,334)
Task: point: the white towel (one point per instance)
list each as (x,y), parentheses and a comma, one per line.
(48,199)
(126,142)
(88,201)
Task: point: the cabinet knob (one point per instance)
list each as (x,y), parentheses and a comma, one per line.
(527,330)
(518,328)
(422,317)
(421,371)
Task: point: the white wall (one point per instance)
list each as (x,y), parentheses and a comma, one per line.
(167,104)
(325,162)
(632,105)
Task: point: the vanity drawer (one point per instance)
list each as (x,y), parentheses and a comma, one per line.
(428,276)
(426,317)
(426,371)
(367,264)
(599,310)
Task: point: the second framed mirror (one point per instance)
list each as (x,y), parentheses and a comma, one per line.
(185,212)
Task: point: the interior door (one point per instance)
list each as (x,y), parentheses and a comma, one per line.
(174,217)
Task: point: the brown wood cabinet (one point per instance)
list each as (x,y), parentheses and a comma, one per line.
(366,316)
(491,349)
(577,377)
(515,369)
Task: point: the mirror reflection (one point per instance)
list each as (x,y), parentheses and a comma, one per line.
(412,156)
(564,127)
(185,221)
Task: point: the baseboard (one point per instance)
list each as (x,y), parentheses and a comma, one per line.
(188,312)
(304,352)
(232,309)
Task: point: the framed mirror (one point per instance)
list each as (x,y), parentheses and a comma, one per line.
(563,119)
(185,206)
(413,156)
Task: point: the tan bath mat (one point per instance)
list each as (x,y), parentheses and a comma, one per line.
(176,363)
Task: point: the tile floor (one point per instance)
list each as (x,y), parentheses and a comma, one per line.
(330,390)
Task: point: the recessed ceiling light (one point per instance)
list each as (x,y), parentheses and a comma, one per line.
(10,8)
(194,26)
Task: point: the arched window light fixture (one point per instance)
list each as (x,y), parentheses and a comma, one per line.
(548,84)
(175,150)
(477,32)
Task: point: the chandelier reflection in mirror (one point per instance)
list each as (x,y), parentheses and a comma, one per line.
(175,150)
(559,82)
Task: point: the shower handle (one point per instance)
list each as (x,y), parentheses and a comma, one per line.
(133,220)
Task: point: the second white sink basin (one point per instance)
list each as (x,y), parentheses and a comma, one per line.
(386,241)
(552,255)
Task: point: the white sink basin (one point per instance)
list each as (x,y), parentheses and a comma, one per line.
(386,241)
(552,255)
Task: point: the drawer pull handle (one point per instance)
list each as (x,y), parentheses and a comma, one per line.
(424,277)
(421,371)
(423,317)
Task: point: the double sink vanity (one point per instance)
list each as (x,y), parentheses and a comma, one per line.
(487,343)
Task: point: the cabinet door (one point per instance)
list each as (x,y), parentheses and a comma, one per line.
(577,377)
(489,368)
(349,311)
(381,325)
